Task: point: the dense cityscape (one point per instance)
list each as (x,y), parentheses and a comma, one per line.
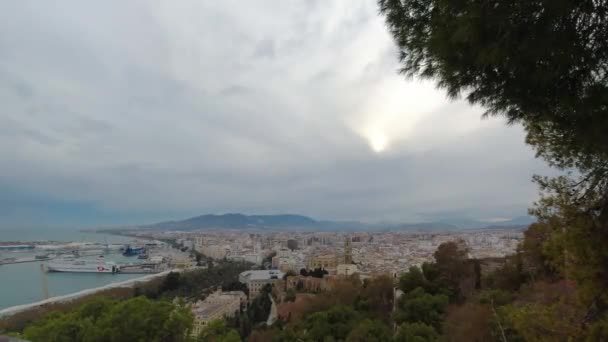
(309,171)
(289,256)
(372,253)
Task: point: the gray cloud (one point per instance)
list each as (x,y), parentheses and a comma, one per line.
(190,107)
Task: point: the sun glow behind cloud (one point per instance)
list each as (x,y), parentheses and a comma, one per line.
(378,142)
(393,110)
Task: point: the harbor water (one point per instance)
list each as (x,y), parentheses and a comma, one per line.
(25,282)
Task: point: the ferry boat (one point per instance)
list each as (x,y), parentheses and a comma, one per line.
(83,266)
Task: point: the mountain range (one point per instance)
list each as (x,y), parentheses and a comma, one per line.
(300,222)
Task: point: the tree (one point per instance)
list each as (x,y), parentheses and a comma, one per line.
(545,64)
(541,62)
(419,306)
(101,319)
(544,322)
(427,278)
(337,322)
(194,283)
(262,335)
(416,332)
(468,322)
(599,330)
(412,279)
(453,267)
(234,285)
(378,294)
(170,283)
(369,331)
(535,259)
(578,239)
(217,331)
(318,273)
(509,276)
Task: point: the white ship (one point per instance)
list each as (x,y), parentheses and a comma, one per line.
(82,266)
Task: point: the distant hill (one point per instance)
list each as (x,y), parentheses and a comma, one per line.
(300,222)
(239,221)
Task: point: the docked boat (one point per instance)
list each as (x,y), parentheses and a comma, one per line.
(82,266)
(132,251)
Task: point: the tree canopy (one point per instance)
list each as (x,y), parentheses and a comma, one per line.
(102,319)
(544,64)
(217,331)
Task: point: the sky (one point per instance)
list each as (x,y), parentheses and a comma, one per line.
(122,112)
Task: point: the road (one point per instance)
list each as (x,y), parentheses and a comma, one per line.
(272,316)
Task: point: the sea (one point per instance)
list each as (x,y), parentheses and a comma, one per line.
(26,283)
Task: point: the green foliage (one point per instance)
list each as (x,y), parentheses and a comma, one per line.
(200,258)
(334,324)
(598,331)
(351,311)
(495,297)
(412,279)
(508,277)
(376,297)
(217,331)
(369,331)
(170,283)
(317,272)
(427,278)
(257,312)
(137,319)
(534,251)
(419,306)
(454,269)
(543,62)
(541,322)
(416,332)
(191,284)
(259,309)
(234,285)
(579,236)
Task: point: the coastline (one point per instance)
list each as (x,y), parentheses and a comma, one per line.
(130,283)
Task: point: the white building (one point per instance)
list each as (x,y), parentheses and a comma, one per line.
(251,257)
(257,279)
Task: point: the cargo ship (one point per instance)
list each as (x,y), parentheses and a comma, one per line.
(83,266)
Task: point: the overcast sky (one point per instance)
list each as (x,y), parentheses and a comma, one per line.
(137,111)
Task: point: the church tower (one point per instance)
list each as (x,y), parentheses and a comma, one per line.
(348,251)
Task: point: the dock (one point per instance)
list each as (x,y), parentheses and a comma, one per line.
(141,269)
(22,260)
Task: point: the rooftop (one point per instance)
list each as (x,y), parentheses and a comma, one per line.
(261,275)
